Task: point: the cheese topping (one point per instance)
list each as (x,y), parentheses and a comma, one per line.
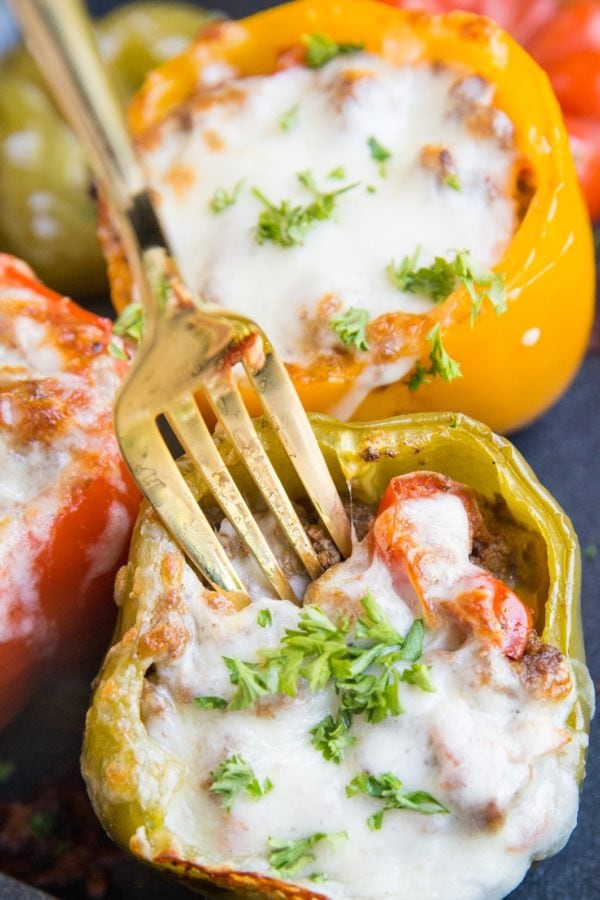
(57,384)
(494,757)
(419,154)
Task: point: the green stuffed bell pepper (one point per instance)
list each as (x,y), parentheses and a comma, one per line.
(47,212)
(418,726)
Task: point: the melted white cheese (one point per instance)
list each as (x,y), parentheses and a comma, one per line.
(237,138)
(500,759)
(39,476)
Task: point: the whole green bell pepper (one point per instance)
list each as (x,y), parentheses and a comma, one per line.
(47,212)
(131,779)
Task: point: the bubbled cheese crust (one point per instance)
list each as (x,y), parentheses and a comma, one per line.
(498,755)
(57,384)
(446,185)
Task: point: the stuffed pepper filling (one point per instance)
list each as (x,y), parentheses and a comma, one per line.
(318,199)
(404,733)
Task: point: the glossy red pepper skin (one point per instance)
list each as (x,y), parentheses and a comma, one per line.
(62,545)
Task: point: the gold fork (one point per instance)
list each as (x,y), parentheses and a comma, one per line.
(187,345)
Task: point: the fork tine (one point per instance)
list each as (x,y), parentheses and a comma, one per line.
(159,478)
(191,429)
(286,413)
(229,407)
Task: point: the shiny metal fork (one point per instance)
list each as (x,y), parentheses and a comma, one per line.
(187,345)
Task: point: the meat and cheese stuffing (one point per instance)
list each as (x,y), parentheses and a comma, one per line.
(316,200)
(405,729)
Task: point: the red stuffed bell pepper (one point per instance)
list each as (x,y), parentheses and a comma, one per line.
(66,500)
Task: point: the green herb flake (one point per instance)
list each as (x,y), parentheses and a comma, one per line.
(290,857)
(350,327)
(441,364)
(129,324)
(453,182)
(250,684)
(288,225)
(379,153)
(332,737)
(443,277)
(264,618)
(7,770)
(43,824)
(590,552)
(234,777)
(210,702)
(321,49)
(222,199)
(289,119)
(318,877)
(388,787)
(339,173)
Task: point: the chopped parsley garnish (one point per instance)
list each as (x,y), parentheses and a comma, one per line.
(379,153)
(318,877)
(589,552)
(222,198)
(440,362)
(339,173)
(290,857)
(288,225)
(321,49)
(289,118)
(130,323)
(453,181)
(332,736)
(443,277)
(360,661)
(250,683)
(350,326)
(388,787)
(234,777)
(264,618)
(210,702)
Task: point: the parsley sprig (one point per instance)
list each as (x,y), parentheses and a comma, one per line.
(379,153)
(264,618)
(129,324)
(234,777)
(388,787)
(443,277)
(321,49)
(350,326)
(289,118)
(440,362)
(360,660)
(290,857)
(222,199)
(288,225)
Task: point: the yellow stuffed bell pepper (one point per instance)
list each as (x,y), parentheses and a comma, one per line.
(206,753)
(513,364)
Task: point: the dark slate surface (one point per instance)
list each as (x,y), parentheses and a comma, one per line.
(564,450)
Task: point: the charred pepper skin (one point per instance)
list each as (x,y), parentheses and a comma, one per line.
(514,365)
(130,778)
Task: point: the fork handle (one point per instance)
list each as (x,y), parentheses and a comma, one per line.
(59,34)
(60,37)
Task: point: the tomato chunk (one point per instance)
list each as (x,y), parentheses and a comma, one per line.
(424,531)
